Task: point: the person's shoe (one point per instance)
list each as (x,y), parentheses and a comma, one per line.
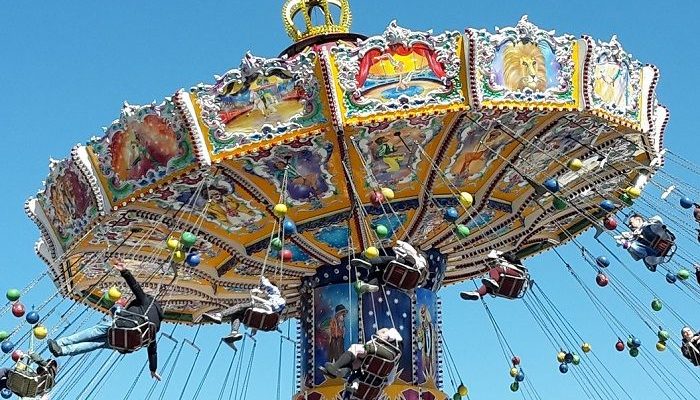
(362,288)
(54,348)
(360,263)
(494,254)
(650,267)
(214,317)
(491,284)
(469,296)
(352,387)
(329,370)
(231,339)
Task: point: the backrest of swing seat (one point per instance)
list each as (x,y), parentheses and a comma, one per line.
(381,357)
(261,320)
(661,242)
(402,276)
(129,340)
(663,247)
(373,380)
(383,349)
(367,392)
(29,384)
(511,286)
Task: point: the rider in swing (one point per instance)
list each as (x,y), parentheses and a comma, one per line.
(507,266)
(45,367)
(267,297)
(95,338)
(639,240)
(404,253)
(691,346)
(348,365)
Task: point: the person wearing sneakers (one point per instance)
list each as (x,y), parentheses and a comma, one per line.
(349,364)
(266,297)
(404,253)
(641,240)
(506,265)
(95,338)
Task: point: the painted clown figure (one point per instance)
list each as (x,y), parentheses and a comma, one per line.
(336,329)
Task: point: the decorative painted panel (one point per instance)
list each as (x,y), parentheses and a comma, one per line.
(616,87)
(260,100)
(399,70)
(145,145)
(301,165)
(557,141)
(219,201)
(524,66)
(389,149)
(69,201)
(480,140)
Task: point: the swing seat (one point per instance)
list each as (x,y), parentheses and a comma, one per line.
(663,242)
(126,339)
(513,282)
(381,358)
(28,383)
(403,276)
(261,319)
(367,392)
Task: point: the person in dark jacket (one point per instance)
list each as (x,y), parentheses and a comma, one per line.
(691,346)
(95,338)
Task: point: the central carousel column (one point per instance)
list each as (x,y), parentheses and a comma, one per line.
(333,316)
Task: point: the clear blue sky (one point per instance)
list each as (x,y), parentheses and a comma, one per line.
(67,67)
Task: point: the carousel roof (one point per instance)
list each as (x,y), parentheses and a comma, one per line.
(493,114)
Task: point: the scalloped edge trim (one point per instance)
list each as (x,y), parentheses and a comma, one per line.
(186,110)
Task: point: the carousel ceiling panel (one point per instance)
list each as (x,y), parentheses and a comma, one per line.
(144,147)
(310,169)
(390,154)
(339,237)
(86,271)
(401,73)
(545,153)
(301,258)
(215,203)
(140,233)
(486,225)
(525,66)
(472,155)
(261,100)
(396,221)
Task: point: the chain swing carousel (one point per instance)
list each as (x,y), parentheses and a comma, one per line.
(290,168)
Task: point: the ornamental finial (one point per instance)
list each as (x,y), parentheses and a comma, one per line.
(309,8)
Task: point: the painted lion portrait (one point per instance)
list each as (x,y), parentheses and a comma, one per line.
(524,67)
